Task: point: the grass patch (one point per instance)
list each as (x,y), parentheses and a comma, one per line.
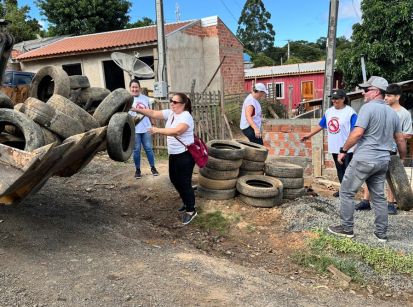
(214,221)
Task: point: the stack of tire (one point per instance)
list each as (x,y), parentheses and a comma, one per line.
(291,176)
(260,191)
(219,178)
(254,158)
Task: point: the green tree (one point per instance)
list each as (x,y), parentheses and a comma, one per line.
(254,29)
(384,38)
(84,16)
(144,22)
(306,51)
(22,27)
(261,59)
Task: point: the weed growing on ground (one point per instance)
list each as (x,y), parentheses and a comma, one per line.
(213,221)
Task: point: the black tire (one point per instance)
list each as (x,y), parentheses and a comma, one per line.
(259,186)
(218,175)
(5,101)
(117,101)
(90,95)
(214,184)
(254,151)
(33,136)
(223,165)
(285,170)
(49,137)
(120,138)
(293,193)
(50,80)
(245,173)
(74,96)
(67,107)
(79,81)
(260,202)
(399,184)
(292,183)
(215,194)
(252,165)
(227,150)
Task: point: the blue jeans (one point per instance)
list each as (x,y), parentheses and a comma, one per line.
(144,139)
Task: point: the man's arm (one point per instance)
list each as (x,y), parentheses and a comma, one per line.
(401,144)
(353,138)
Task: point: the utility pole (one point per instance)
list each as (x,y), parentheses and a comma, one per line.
(331,50)
(288,49)
(160,87)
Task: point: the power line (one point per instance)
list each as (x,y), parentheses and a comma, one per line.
(229,11)
(355,10)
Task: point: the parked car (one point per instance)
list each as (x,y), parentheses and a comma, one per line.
(14,78)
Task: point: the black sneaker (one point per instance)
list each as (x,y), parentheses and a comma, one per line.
(188,217)
(154,171)
(391,207)
(138,174)
(380,237)
(182,209)
(336,194)
(340,231)
(363,205)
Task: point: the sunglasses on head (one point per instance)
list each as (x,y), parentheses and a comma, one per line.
(174,101)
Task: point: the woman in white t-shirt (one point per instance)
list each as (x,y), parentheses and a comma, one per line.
(179,124)
(339,120)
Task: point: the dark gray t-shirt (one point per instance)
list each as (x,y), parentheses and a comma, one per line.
(380,123)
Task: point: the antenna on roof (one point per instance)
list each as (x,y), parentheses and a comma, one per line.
(177,12)
(132,65)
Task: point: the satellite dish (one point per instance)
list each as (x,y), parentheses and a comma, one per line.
(132,65)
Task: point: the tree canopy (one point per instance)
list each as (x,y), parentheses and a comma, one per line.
(84,16)
(384,38)
(145,21)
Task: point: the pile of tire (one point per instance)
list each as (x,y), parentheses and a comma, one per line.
(254,158)
(291,176)
(218,179)
(260,191)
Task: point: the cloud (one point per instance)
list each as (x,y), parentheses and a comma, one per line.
(350,9)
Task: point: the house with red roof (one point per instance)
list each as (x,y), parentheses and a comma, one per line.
(194,49)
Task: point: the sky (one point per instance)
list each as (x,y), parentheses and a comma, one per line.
(291,19)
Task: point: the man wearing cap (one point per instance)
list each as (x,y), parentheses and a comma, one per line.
(251,116)
(376,126)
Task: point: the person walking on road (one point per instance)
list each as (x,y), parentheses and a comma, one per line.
(251,115)
(339,120)
(377,124)
(142,136)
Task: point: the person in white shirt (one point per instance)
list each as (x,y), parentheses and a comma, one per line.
(179,125)
(251,115)
(142,136)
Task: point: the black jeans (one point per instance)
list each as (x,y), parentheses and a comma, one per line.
(250,134)
(341,168)
(181,167)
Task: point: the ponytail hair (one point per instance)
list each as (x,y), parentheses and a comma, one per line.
(185,99)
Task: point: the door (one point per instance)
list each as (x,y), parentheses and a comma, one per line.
(307,90)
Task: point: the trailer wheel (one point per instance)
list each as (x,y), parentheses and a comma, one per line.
(120,138)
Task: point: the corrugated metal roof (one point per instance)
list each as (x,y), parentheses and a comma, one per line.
(290,69)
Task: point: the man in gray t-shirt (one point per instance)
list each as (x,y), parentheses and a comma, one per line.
(376,127)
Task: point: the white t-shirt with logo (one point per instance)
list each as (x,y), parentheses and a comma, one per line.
(338,123)
(256,116)
(141,102)
(173,120)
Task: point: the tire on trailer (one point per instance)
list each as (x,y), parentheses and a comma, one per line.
(79,81)
(120,138)
(215,184)
(254,151)
(285,170)
(117,101)
(32,132)
(5,101)
(259,186)
(50,80)
(222,164)
(399,184)
(69,108)
(227,150)
(218,175)
(245,173)
(292,183)
(215,194)
(252,165)
(260,202)
(293,193)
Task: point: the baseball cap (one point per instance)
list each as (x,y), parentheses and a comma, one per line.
(375,81)
(338,93)
(260,87)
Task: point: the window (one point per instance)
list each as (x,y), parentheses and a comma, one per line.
(73,69)
(276,88)
(21,79)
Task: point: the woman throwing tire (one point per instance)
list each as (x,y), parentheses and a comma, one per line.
(179,124)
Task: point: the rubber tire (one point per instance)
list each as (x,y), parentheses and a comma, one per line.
(253,151)
(32,132)
(252,165)
(19,107)
(260,202)
(49,137)
(227,150)
(90,95)
(292,183)
(218,175)
(293,193)
(245,173)
(222,164)
(215,194)
(399,184)
(120,138)
(117,101)
(285,170)
(67,107)
(259,186)
(79,81)
(214,184)
(46,77)
(5,101)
